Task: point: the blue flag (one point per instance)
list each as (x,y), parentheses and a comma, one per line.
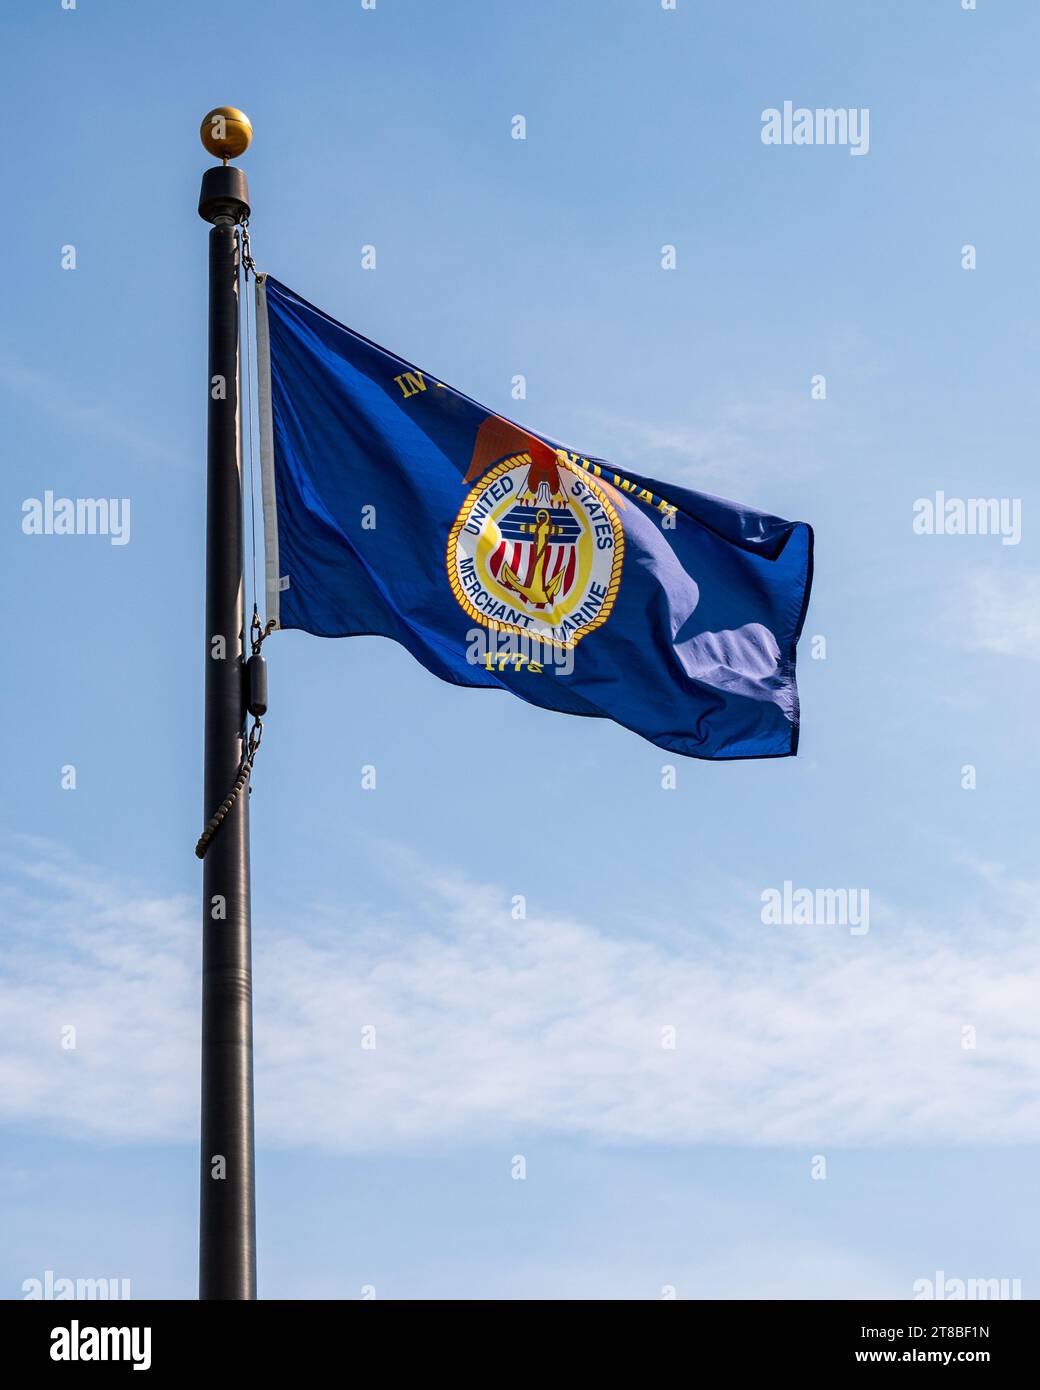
(395,506)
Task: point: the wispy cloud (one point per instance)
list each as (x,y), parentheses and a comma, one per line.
(998,611)
(746,444)
(487,1026)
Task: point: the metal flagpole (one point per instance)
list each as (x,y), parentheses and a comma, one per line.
(227,1227)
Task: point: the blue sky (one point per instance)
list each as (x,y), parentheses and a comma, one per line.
(496,1037)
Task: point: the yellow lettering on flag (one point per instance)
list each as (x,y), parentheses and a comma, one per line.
(411,383)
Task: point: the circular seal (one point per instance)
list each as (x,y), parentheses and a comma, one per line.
(537,550)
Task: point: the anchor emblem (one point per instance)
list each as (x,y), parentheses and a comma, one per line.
(540,591)
(537,547)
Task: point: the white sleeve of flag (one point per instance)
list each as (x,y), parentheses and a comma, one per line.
(272,579)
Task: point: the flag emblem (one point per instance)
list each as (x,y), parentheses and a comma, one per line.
(537,548)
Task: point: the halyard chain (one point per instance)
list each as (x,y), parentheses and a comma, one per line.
(256,733)
(257,635)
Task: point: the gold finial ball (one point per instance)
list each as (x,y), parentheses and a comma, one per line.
(226,132)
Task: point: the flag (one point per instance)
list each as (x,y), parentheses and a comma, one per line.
(395,505)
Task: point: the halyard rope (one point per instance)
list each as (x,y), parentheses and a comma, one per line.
(257,631)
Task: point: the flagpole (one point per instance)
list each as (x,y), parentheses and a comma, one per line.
(227,1217)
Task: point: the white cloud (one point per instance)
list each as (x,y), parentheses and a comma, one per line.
(490,1027)
(999,612)
(749,444)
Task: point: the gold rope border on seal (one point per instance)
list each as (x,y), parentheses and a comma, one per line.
(506,466)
